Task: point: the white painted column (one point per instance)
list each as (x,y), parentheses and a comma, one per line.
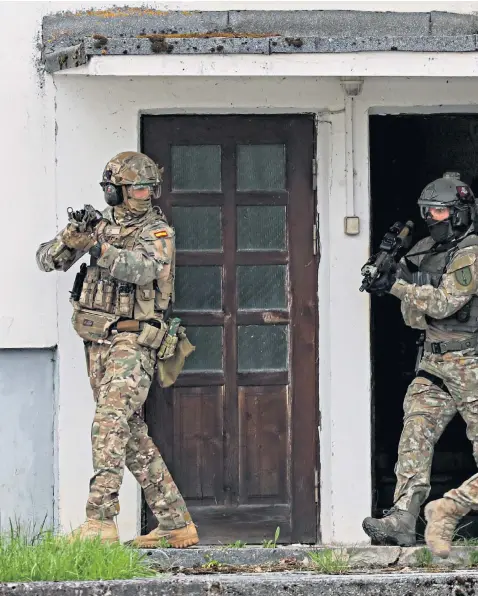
(343,338)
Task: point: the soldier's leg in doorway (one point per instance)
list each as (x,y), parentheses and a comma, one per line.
(427,411)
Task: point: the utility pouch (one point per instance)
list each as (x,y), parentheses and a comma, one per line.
(167,371)
(109,288)
(168,346)
(125,300)
(103,299)
(92,325)
(89,286)
(152,336)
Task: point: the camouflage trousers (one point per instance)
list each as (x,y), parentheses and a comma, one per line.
(427,411)
(121,373)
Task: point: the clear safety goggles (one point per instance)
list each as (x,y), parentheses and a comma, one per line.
(435,211)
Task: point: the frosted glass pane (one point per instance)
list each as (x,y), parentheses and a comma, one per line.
(197,228)
(207,356)
(196,168)
(260,167)
(262,348)
(261,228)
(261,286)
(198,288)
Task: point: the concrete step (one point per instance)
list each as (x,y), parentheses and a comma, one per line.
(290,584)
(299,557)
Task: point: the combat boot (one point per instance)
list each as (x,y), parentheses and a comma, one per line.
(442,518)
(397,527)
(106,530)
(180,538)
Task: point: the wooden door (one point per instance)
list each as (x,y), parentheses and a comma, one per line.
(239,428)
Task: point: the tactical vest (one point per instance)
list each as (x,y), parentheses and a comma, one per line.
(103,293)
(431,268)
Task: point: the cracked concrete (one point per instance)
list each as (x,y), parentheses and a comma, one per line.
(365,557)
(294,584)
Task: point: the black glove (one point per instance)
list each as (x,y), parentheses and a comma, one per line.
(403,272)
(383,283)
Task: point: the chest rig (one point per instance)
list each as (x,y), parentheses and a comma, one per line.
(429,268)
(103,293)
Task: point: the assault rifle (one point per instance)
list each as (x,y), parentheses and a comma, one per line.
(397,238)
(84,218)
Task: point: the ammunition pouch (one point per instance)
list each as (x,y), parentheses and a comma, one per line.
(168,370)
(92,325)
(89,287)
(125,299)
(152,336)
(168,347)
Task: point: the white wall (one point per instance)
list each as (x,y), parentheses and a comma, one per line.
(28,301)
(57,133)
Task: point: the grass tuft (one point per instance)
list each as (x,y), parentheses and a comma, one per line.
(330,560)
(237,544)
(272,543)
(46,557)
(424,557)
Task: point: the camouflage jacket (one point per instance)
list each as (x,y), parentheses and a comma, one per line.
(424,306)
(140,251)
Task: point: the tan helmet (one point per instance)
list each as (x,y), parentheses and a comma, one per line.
(131,167)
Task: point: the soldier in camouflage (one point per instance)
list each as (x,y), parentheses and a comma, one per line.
(118,311)
(437,284)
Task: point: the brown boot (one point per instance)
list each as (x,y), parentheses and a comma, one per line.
(106,529)
(181,538)
(442,518)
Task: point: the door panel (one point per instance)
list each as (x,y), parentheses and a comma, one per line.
(239,428)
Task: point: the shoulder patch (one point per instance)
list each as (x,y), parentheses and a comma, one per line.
(461,261)
(464,276)
(161,234)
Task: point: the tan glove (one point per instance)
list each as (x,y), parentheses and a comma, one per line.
(78,240)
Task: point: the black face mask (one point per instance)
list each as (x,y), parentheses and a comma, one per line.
(440,231)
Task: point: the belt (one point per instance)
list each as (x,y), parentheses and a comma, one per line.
(440,383)
(441,347)
(133,325)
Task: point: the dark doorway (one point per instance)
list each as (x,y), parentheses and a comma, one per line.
(407,152)
(239,428)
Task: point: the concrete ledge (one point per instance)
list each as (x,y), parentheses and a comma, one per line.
(359,558)
(140,31)
(67,57)
(294,584)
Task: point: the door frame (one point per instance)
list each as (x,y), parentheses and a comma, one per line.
(317,257)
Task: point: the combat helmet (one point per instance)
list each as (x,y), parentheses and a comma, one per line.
(129,168)
(452,194)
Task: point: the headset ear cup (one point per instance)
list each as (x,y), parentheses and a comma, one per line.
(156,191)
(113,194)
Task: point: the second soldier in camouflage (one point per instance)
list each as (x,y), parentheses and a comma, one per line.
(437,284)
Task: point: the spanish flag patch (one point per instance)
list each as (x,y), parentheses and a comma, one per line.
(161,234)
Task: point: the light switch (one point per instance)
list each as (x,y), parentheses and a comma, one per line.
(352,225)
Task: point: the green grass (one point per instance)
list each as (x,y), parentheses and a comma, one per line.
(46,557)
(163,543)
(237,544)
(424,558)
(330,561)
(272,543)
